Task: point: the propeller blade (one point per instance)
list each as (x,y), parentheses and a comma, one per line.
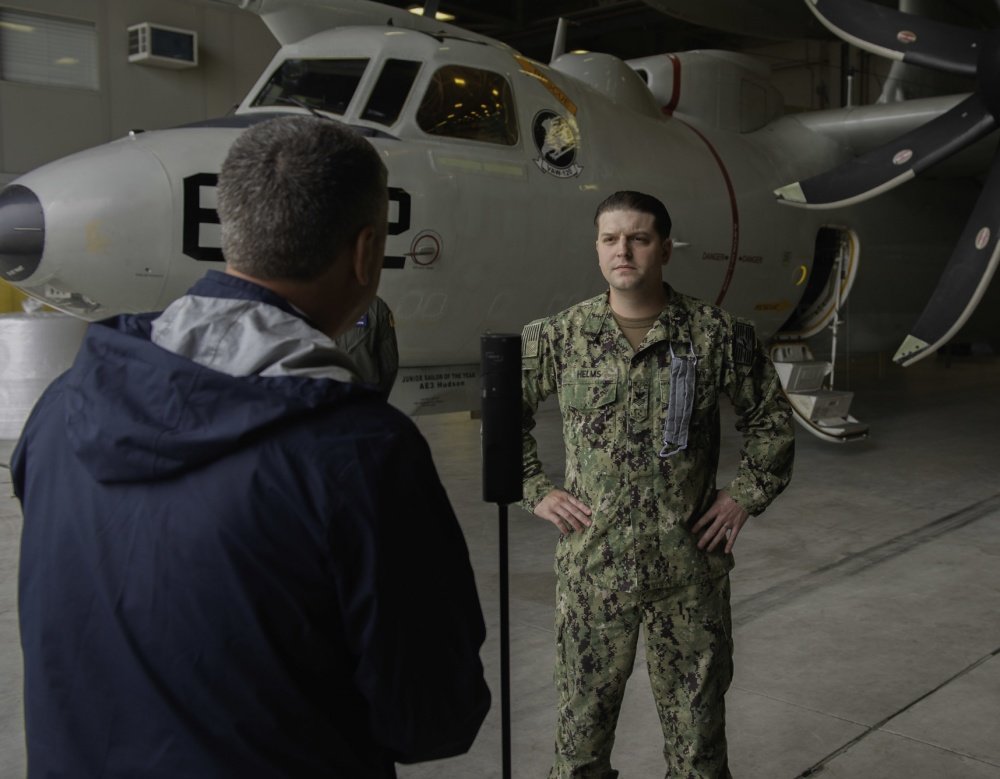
(965,277)
(900,36)
(896,162)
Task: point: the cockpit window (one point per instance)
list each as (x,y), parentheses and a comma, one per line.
(390,91)
(463,102)
(326,85)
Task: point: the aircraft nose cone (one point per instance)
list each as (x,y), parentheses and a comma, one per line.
(22,233)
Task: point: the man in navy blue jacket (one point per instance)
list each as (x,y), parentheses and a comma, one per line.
(237,560)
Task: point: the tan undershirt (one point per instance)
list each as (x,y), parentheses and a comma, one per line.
(635,329)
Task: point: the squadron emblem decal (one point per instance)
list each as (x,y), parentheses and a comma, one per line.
(556,141)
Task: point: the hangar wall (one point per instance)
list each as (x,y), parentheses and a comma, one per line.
(41,123)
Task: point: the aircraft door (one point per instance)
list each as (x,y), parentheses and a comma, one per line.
(835,259)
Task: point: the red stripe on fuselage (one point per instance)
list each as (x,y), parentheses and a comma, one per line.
(735,246)
(675,95)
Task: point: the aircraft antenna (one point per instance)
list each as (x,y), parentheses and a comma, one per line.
(559,44)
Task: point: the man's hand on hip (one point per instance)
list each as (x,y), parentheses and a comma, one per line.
(722,522)
(564,511)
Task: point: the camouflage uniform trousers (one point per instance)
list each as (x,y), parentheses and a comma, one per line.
(689,655)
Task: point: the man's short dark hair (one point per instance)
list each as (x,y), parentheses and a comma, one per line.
(628,200)
(293,193)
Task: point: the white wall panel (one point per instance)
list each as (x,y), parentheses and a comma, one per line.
(42,123)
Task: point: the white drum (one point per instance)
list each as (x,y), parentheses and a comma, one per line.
(34,349)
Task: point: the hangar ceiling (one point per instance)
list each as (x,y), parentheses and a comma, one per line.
(625,28)
(635,28)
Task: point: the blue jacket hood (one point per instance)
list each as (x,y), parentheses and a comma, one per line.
(137,412)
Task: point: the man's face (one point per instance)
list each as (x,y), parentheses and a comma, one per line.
(630,251)
(362,293)
(378,244)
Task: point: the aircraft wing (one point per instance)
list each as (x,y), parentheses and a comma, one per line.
(772,19)
(908,38)
(791,20)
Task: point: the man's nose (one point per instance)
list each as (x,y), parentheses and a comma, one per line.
(623,246)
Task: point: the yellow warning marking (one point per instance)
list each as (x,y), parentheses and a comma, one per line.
(529,67)
(95,241)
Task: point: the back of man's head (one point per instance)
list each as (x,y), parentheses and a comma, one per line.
(294,193)
(630,200)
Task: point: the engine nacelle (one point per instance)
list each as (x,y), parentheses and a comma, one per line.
(612,77)
(724,90)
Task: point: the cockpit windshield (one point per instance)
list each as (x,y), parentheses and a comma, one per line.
(390,91)
(321,84)
(463,102)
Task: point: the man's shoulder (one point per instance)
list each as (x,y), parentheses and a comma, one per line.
(361,428)
(567,323)
(575,315)
(699,309)
(709,320)
(364,412)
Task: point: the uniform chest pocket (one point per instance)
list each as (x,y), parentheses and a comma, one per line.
(589,410)
(584,394)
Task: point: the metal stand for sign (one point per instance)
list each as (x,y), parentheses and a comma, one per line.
(504,645)
(502,457)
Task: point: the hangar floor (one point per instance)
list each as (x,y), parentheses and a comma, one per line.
(865,601)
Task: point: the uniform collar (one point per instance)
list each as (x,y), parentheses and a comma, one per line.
(670,326)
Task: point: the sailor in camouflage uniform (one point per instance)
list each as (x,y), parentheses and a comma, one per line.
(371,343)
(647,537)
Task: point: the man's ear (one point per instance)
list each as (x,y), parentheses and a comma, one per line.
(668,248)
(361,255)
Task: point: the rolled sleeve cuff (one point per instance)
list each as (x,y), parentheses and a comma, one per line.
(749,495)
(535,488)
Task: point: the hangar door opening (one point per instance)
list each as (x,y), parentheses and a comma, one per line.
(827,283)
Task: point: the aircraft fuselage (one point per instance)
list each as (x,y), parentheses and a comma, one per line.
(491,213)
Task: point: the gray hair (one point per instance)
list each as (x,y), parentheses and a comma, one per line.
(629,200)
(294,193)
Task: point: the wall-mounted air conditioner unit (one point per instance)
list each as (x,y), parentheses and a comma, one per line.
(164,47)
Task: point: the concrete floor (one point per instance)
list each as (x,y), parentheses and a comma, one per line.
(866,600)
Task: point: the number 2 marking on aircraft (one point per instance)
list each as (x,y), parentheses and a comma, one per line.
(195,215)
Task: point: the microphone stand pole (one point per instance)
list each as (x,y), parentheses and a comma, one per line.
(504,644)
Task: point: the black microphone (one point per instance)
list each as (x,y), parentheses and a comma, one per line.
(501,417)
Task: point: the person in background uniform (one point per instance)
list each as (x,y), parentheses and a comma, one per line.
(371,343)
(238,560)
(647,537)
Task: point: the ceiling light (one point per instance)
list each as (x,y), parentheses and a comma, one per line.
(15,27)
(418,10)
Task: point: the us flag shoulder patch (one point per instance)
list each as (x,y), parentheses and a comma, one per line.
(744,343)
(529,339)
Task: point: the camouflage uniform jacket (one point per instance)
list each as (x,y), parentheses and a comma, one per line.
(371,343)
(616,409)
